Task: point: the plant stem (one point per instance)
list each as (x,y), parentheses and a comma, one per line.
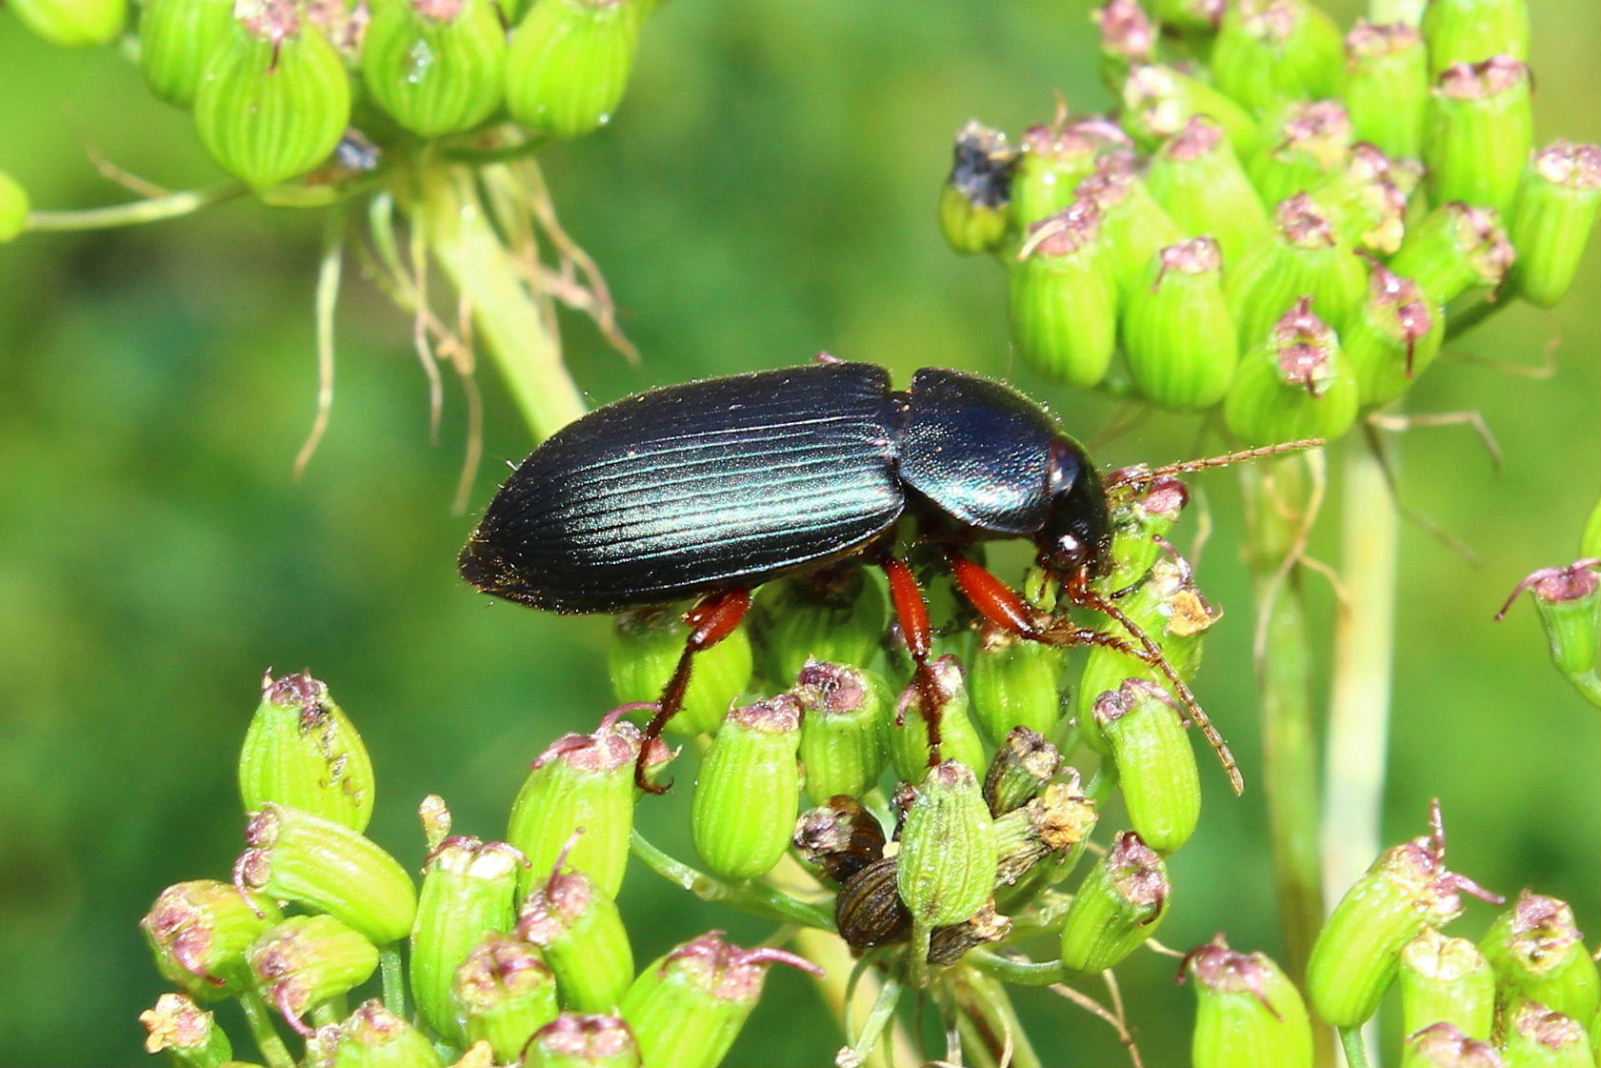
(1020,972)
(267,1040)
(889,995)
(1356,1051)
(394,978)
(750,896)
(984,1001)
(152,209)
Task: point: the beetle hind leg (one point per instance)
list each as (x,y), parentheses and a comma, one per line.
(911,611)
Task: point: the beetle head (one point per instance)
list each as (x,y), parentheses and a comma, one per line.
(1077,536)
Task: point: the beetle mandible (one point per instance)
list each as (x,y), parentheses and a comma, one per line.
(712,488)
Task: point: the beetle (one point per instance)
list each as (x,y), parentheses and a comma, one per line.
(712,488)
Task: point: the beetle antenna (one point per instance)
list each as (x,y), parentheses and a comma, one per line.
(1140,475)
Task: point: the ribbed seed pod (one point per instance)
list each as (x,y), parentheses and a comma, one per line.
(274,99)
(185,1032)
(1248,1014)
(1177,332)
(13,208)
(504,992)
(1045,836)
(645,649)
(306,960)
(687,1007)
(582,780)
(1128,39)
(1298,385)
(1141,512)
(435,65)
(1062,299)
(302,750)
(868,909)
(1197,17)
(1134,227)
(1392,337)
(326,866)
(572,1040)
(1052,161)
(1159,101)
(948,859)
(1387,86)
(1023,764)
(975,204)
(1446,980)
(1454,249)
(1269,52)
(1536,1037)
(176,38)
(1569,602)
(908,730)
(467,892)
(1196,176)
(1144,727)
(199,932)
(1441,1045)
(581,934)
(1016,683)
(1119,905)
(1303,258)
(1552,219)
(1309,143)
(1467,31)
(842,837)
(1479,131)
(844,742)
(836,614)
(73,23)
(749,789)
(1366,200)
(1538,953)
(947,945)
(569,63)
(374,1037)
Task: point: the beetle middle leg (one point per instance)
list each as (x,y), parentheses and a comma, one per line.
(911,611)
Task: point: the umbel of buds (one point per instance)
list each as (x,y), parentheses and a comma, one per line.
(835,615)
(569,63)
(1248,1013)
(581,935)
(1297,385)
(73,23)
(948,856)
(185,1031)
(373,1036)
(302,750)
(1063,299)
(435,65)
(1119,905)
(306,960)
(749,789)
(1446,979)
(176,37)
(844,731)
(1538,953)
(504,992)
(199,932)
(646,645)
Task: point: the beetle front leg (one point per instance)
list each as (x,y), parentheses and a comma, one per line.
(911,611)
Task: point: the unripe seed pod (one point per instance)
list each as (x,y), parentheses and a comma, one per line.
(841,837)
(73,23)
(844,741)
(302,750)
(1062,298)
(582,780)
(581,934)
(1446,979)
(1189,16)
(1053,826)
(1466,31)
(176,38)
(908,732)
(1479,131)
(1538,953)
(569,63)
(975,204)
(1196,176)
(1177,332)
(948,858)
(1298,385)
(467,892)
(572,1040)
(1387,86)
(504,992)
(1536,1037)
(1454,249)
(1023,764)
(868,909)
(645,649)
(687,1007)
(1248,1014)
(835,614)
(1144,727)
(199,932)
(328,867)
(373,1037)
(1128,39)
(1569,602)
(1392,338)
(1552,219)
(1052,161)
(1016,683)
(1159,101)
(1141,513)
(13,208)
(1134,227)
(1119,905)
(305,960)
(1308,144)
(1269,52)
(1303,258)
(274,99)
(1442,1045)
(749,789)
(1366,199)
(185,1032)
(435,65)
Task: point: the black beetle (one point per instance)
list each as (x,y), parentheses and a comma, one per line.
(714,487)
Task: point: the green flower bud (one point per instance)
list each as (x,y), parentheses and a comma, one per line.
(199,932)
(1051,163)
(581,934)
(1062,298)
(13,208)
(1159,101)
(948,857)
(1198,17)
(1536,1037)
(1128,39)
(73,23)
(1269,52)
(1454,249)
(1016,683)
(868,910)
(1134,228)
(1309,144)
(1366,200)
(575,1041)
(306,960)
(687,1007)
(1298,385)
(1466,31)
(569,63)
(467,891)
(1023,764)
(1144,727)
(1479,132)
(1196,176)
(1120,904)
(1441,1045)
(1141,513)
(1392,338)
(505,992)
(176,38)
(1538,953)
(844,742)
(835,614)
(582,780)
(435,65)
(841,837)
(644,653)
(1248,1014)
(374,1037)
(1178,334)
(185,1032)
(1055,824)
(749,789)
(908,734)
(328,867)
(1551,222)
(1446,979)
(1387,86)
(274,99)
(302,750)
(1304,258)
(975,205)
(1569,602)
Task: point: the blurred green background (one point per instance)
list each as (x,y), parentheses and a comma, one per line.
(767,191)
